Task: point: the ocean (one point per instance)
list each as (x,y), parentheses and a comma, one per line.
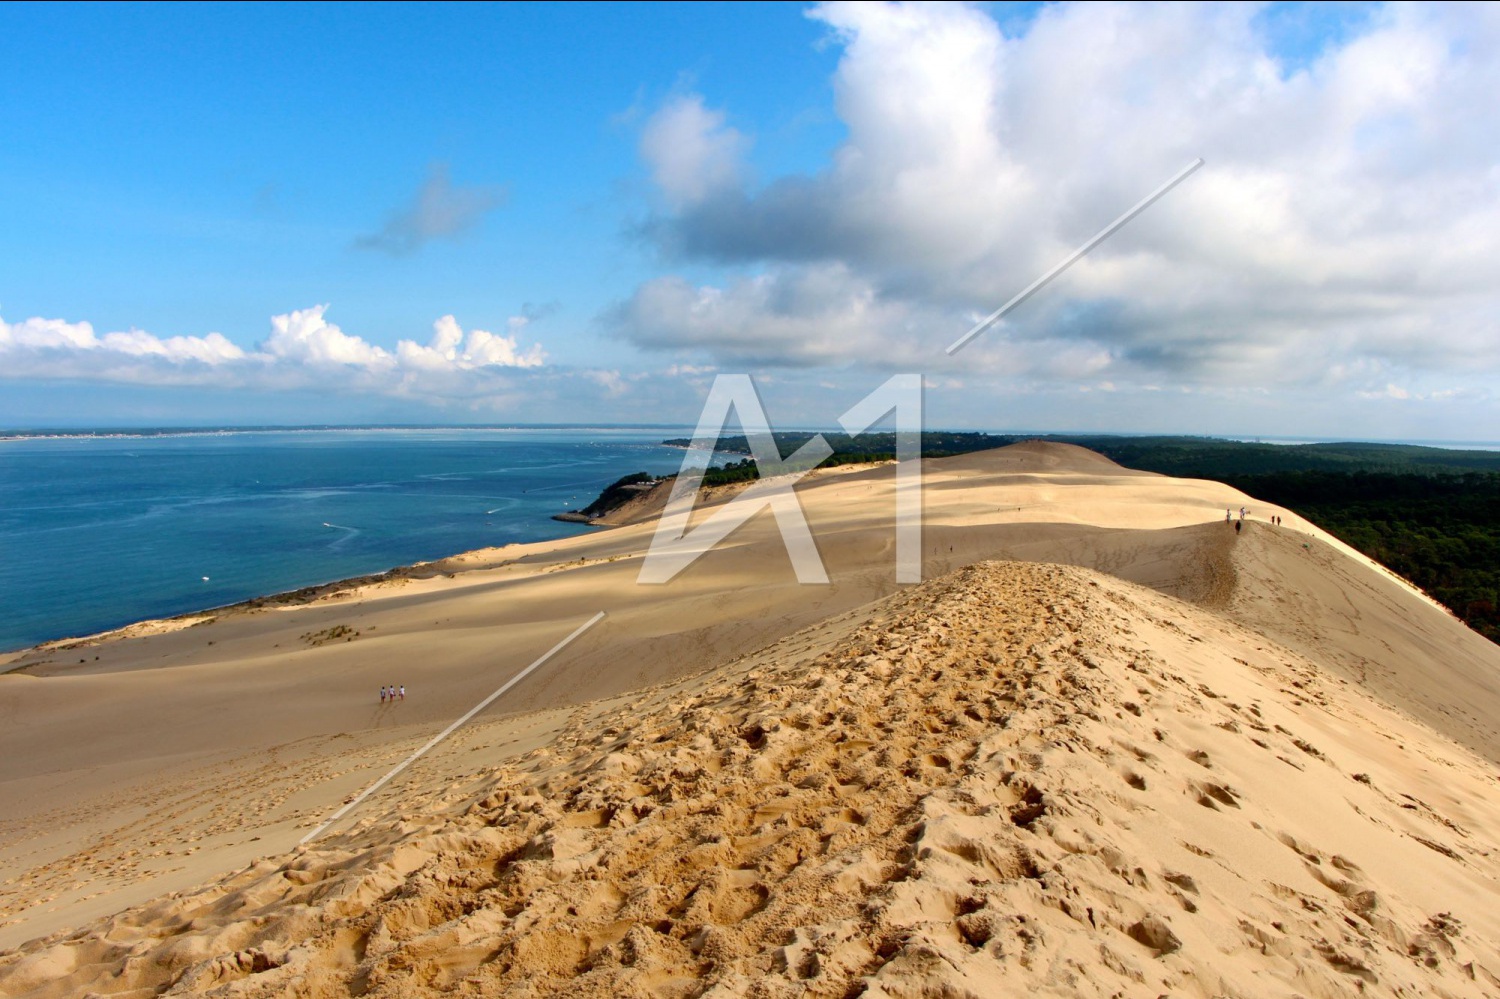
(98,532)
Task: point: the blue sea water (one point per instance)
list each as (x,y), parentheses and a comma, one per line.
(97,532)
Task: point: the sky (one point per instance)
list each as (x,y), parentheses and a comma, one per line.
(577,213)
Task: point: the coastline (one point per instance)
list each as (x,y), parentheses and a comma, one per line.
(106,583)
(297,597)
(300,596)
(628,506)
(313,593)
(180,609)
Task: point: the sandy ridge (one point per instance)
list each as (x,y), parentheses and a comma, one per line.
(1020,777)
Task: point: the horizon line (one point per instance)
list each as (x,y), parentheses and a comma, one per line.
(164,430)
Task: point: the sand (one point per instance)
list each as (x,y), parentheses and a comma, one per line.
(182,756)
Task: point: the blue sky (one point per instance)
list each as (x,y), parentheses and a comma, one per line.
(183,169)
(626,200)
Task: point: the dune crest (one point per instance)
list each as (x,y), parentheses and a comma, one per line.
(1016,778)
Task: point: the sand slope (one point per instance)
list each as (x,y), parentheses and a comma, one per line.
(1364,625)
(1021,778)
(179,754)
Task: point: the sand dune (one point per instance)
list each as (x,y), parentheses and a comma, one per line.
(1017,778)
(262,721)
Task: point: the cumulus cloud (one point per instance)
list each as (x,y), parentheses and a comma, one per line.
(304,337)
(440,210)
(819,316)
(303,350)
(803,316)
(451,347)
(692,153)
(1345,231)
(55,348)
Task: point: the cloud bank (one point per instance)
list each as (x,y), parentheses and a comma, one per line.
(1344,234)
(304,350)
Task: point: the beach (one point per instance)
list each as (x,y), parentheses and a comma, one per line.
(1314,743)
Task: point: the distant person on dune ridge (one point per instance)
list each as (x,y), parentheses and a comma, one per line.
(1237,525)
(403,691)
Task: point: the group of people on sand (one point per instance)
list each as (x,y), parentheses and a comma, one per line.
(1244,512)
(392,693)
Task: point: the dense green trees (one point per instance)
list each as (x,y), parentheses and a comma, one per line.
(616,493)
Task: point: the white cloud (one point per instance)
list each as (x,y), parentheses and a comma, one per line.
(451,348)
(824,315)
(304,336)
(304,350)
(691,151)
(1344,234)
(613,384)
(35,346)
(811,315)
(212,349)
(689,370)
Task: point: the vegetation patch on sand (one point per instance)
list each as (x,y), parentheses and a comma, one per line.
(338,633)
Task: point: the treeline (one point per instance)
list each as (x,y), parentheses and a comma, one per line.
(746,469)
(1202,457)
(876,446)
(617,493)
(847,450)
(1211,458)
